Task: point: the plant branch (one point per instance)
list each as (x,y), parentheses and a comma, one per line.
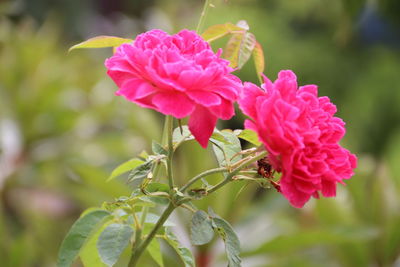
(201,175)
(138,227)
(229,177)
(139,246)
(203,16)
(170,124)
(142,247)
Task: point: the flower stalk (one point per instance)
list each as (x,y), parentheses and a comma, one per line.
(206,6)
(142,247)
(170,126)
(201,175)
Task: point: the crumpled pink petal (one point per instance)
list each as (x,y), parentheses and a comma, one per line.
(176,75)
(301,134)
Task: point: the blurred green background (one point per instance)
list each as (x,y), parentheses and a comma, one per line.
(62,130)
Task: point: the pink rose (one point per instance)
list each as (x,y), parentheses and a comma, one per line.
(176,75)
(301,135)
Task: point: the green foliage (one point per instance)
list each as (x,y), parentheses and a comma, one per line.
(89,254)
(219,137)
(158,149)
(152,218)
(140,173)
(250,136)
(184,254)
(125,167)
(227,151)
(101,42)
(154,250)
(112,242)
(78,235)
(220,30)
(232,244)
(180,135)
(157,187)
(201,230)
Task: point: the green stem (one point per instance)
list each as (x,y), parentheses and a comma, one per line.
(164,136)
(142,247)
(166,139)
(203,16)
(144,214)
(138,227)
(170,126)
(229,177)
(201,175)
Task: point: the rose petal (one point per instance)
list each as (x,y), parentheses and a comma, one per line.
(202,124)
(173,103)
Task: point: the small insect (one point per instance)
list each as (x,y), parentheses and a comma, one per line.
(265,170)
(198,192)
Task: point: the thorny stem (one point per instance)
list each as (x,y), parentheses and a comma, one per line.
(207,4)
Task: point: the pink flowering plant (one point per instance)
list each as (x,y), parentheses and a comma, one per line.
(293,133)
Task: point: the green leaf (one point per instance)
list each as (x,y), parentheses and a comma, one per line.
(124,167)
(157,187)
(155,252)
(250,136)
(77,236)
(225,152)
(179,137)
(100,42)
(152,218)
(159,200)
(220,30)
(89,254)
(218,136)
(232,244)
(140,173)
(184,254)
(143,155)
(258,57)
(112,242)
(158,149)
(201,230)
(246,48)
